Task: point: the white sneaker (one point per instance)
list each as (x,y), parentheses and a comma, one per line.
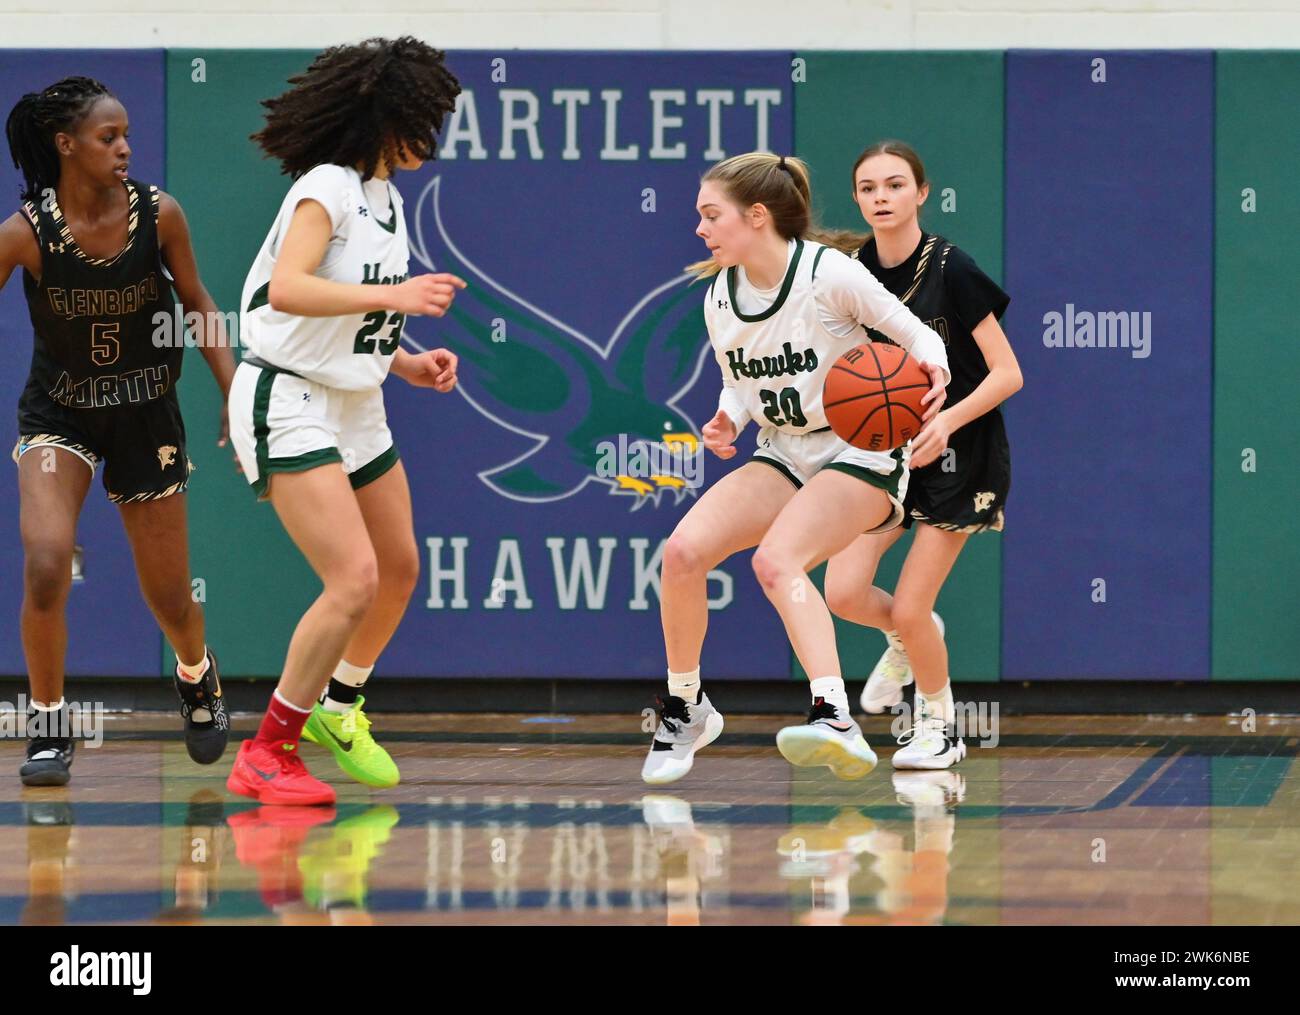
(683,729)
(893,672)
(828,737)
(930,743)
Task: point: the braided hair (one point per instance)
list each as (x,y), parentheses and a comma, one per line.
(35,120)
(354,102)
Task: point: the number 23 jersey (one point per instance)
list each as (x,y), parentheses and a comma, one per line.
(776,347)
(368,246)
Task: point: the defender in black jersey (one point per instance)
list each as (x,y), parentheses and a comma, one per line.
(100,253)
(960,461)
(963,490)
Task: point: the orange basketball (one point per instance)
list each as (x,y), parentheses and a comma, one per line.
(873,396)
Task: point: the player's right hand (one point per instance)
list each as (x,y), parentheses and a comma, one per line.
(426,295)
(720,435)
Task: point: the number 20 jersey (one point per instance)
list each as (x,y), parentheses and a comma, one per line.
(775,358)
(368,246)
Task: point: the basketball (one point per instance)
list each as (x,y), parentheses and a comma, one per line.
(873,396)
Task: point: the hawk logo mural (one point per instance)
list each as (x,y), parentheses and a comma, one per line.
(573,395)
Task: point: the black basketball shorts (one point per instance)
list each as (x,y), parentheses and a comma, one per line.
(966,488)
(142,446)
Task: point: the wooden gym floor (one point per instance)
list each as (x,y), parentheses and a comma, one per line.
(1139,820)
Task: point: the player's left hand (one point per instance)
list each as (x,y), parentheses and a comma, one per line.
(223,437)
(931,442)
(434,369)
(938,392)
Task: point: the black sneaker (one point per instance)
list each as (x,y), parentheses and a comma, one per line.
(49,761)
(206,736)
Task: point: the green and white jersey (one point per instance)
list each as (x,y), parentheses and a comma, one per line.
(776,346)
(367,246)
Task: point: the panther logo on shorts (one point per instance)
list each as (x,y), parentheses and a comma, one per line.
(166,456)
(983,501)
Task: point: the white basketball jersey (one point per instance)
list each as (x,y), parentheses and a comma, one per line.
(775,356)
(368,246)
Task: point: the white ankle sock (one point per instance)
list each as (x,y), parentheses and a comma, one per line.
(353,676)
(192,674)
(940,703)
(53,726)
(832,690)
(685,685)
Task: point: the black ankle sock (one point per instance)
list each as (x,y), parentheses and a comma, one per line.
(344,694)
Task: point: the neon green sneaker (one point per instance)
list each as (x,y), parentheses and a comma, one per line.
(335,871)
(347,735)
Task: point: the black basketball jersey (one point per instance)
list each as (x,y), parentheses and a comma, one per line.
(95,318)
(945,289)
(966,488)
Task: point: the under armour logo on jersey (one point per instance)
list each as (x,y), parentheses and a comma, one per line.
(983,501)
(306,396)
(57,248)
(166,456)
(723,305)
(363,211)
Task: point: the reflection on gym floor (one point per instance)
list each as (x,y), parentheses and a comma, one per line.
(1069,820)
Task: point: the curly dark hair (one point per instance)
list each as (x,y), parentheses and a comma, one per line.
(34,121)
(354,102)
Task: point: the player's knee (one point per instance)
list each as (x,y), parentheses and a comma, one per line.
(682,556)
(355,586)
(909,617)
(401,574)
(47,574)
(843,593)
(172,608)
(769,566)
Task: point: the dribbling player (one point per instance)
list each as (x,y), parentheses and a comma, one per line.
(780,309)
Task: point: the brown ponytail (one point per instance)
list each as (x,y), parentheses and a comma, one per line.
(780,183)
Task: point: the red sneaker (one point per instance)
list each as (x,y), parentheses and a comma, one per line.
(275,774)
